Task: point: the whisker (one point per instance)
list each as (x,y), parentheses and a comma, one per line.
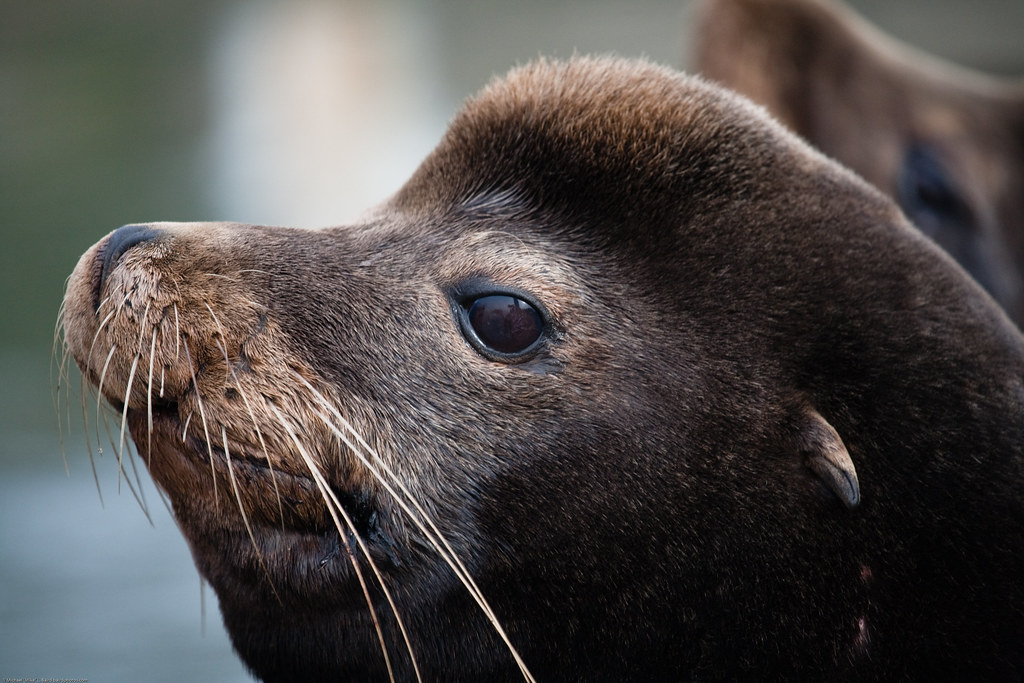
(88,445)
(124,414)
(266,455)
(328,498)
(245,517)
(252,415)
(103,408)
(376,572)
(137,490)
(58,325)
(223,276)
(63,381)
(177,330)
(141,497)
(273,477)
(421,520)
(108,412)
(99,401)
(99,389)
(202,416)
(149,400)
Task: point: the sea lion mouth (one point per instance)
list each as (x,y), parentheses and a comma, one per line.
(160,432)
(276,531)
(266,496)
(242,493)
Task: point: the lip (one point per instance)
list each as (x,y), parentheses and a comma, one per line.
(178,457)
(196,471)
(287,531)
(276,499)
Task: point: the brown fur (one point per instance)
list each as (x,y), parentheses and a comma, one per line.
(768,429)
(867,100)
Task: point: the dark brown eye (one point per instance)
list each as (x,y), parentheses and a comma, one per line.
(504,323)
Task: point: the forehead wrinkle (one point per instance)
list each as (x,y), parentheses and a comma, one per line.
(510,261)
(495,251)
(507,203)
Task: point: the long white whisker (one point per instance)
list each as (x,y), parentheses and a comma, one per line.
(149,401)
(333,510)
(141,497)
(252,416)
(245,517)
(202,416)
(234,485)
(177,330)
(65,372)
(88,444)
(136,489)
(99,389)
(266,453)
(99,401)
(63,381)
(377,574)
(124,414)
(422,520)
(136,492)
(406,502)
(101,418)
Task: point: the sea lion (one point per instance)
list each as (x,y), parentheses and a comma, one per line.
(626,383)
(946,142)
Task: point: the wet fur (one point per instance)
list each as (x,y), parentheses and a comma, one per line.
(636,499)
(867,100)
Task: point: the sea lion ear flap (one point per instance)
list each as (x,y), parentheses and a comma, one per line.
(825,454)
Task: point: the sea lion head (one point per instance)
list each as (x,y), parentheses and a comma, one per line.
(946,142)
(625,382)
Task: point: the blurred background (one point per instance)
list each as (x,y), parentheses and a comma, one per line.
(297,113)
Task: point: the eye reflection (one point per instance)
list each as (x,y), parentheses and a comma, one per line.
(505,323)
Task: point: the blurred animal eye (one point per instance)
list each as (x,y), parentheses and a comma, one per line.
(929,196)
(504,324)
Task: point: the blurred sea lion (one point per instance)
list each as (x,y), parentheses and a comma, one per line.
(946,142)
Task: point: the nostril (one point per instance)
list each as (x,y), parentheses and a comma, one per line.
(123,239)
(120,241)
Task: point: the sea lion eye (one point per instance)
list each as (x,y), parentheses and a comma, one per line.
(503,324)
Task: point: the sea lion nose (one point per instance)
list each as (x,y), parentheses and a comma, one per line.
(120,241)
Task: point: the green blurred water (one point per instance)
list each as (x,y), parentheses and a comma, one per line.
(101,105)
